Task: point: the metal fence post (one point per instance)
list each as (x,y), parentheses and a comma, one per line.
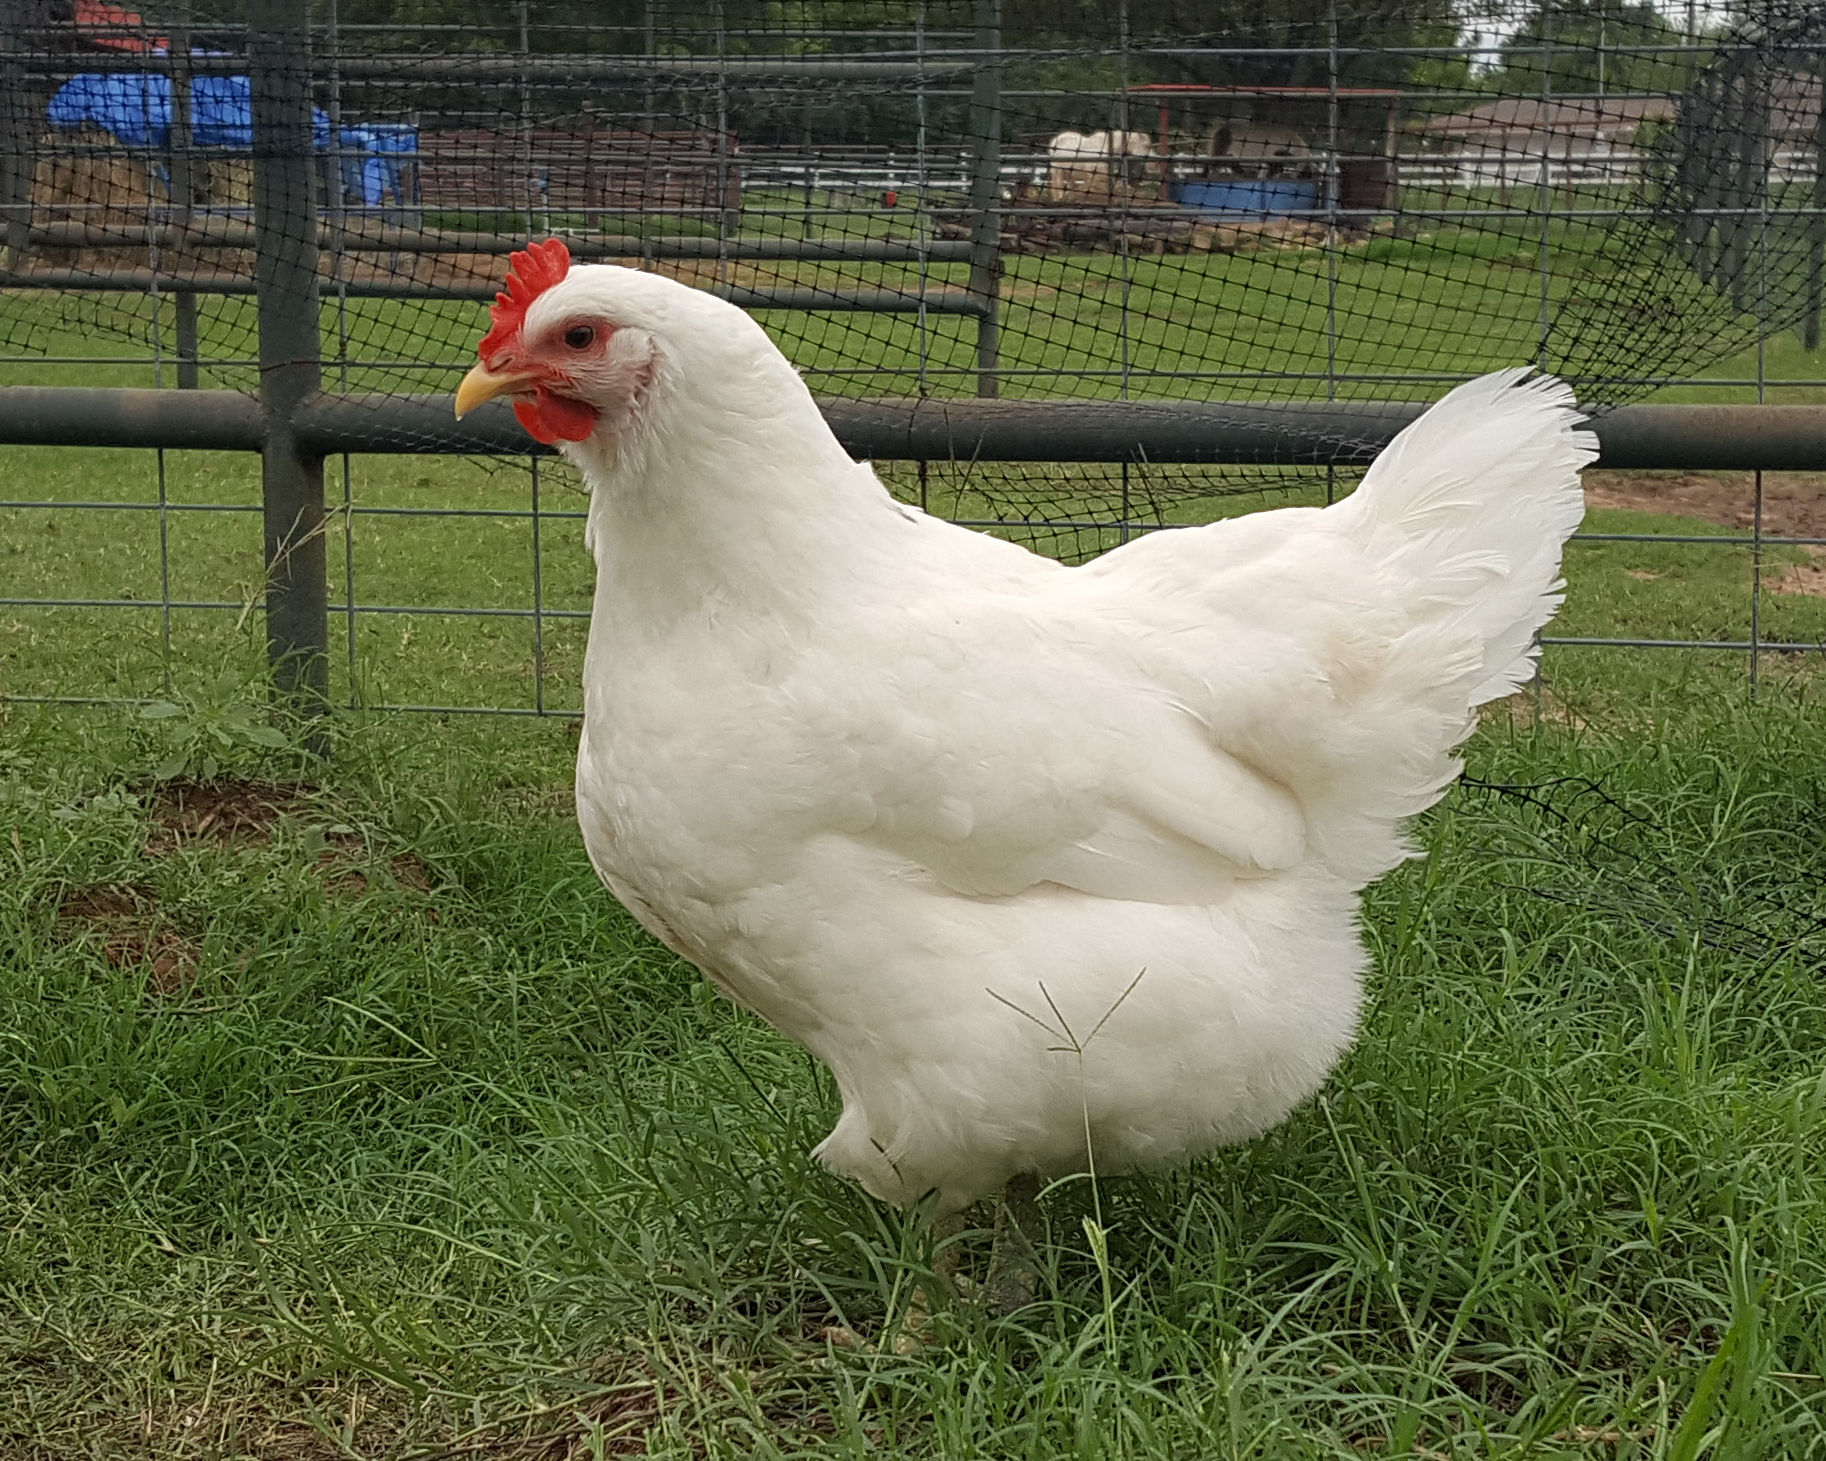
(182,197)
(285,276)
(18,149)
(1816,240)
(986,194)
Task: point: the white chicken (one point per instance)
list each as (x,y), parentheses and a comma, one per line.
(1053,867)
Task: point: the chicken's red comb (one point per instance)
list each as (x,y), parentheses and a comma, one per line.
(530,273)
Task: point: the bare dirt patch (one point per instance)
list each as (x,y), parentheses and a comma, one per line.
(125,918)
(1799,578)
(132,927)
(1794,506)
(222,812)
(247,813)
(1794,503)
(352,882)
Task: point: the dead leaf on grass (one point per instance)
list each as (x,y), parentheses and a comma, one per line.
(1585,1435)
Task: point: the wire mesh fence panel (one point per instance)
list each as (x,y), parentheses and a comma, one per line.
(1338,201)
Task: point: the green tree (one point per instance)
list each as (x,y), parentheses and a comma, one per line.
(1593,47)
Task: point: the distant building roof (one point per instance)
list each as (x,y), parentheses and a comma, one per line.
(1794,104)
(110,28)
(1513,119)
(79,25)
(1792,97)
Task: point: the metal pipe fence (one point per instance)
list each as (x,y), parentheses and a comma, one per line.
(1068,345)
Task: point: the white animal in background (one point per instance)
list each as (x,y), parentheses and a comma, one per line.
(1089,165)
(1067,159)
(1029,855)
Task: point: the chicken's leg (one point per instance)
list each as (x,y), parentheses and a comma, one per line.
(1014,1270)
(916,1329)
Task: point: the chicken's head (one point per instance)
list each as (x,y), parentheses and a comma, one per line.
(567,347)
(607,362)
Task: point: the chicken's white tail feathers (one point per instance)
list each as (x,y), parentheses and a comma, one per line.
(1471,504)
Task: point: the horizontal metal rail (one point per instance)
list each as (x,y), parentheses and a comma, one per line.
(868,301)
(457,611)
(1814,384)
(1758,646)
(128,702)
(230,234)
(478,68)
(549,514)
(93,416)
(481,69)
(1773,438)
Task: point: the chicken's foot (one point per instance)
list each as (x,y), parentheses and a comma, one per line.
(1014,1268)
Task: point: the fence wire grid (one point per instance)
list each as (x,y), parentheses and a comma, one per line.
(1218,202)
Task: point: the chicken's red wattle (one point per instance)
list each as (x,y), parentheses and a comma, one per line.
(552,419)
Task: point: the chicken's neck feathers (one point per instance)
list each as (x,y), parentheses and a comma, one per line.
(732,496)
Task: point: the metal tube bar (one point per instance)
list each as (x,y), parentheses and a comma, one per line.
(92,416)
(18,160)
(473,70)
(183,208)
(430,611)
(480,70)
(285,267)
(986,197)
(1701,438)
(886,64)
(359,237)
(1776,438)
(872,301)
(161,605)
(365,238)
(548,515)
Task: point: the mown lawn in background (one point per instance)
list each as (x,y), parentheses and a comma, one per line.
(1085,325)
(404,563)
(406,569)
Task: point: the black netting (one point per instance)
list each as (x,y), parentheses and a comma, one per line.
(1213,202)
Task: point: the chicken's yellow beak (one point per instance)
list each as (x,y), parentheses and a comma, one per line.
(482,385)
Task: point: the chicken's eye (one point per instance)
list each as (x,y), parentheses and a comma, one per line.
(580,337)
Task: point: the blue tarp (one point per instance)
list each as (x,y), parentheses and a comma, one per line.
(375,177)
(136,109)
(1249,197)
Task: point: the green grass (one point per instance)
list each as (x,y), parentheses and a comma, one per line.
(1268,322)
(408,1167)
(414,566)
(414,1165)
